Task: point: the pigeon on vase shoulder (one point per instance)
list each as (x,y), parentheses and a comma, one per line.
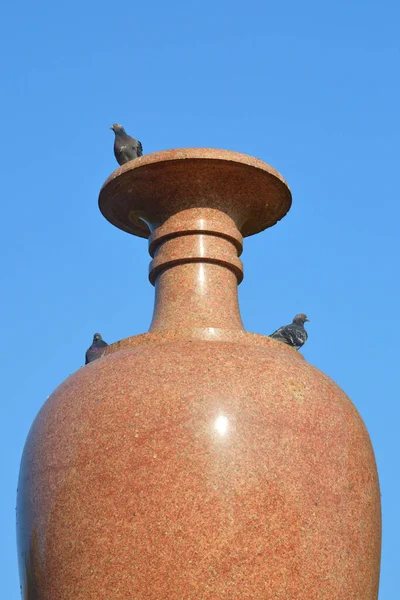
(96,350)
(295,334)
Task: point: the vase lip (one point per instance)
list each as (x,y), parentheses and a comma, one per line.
(196,153)
(137,196)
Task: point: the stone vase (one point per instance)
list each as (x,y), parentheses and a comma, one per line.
(198,461)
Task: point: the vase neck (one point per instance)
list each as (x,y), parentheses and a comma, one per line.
(196,270)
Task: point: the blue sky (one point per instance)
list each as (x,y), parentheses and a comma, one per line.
(310,87)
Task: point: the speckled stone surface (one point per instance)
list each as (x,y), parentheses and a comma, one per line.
(198,461)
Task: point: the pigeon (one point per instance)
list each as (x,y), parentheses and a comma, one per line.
(96,350)
(294,334)
(126,148)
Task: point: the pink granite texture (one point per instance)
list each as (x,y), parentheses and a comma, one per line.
(198,461)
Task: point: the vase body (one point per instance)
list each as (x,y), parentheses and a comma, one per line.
(198,463)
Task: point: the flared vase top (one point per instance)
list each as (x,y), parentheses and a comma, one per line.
(195,205)
(142,194)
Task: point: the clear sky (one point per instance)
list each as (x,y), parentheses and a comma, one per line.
(310,87)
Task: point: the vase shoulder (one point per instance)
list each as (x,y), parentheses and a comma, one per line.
(203,334)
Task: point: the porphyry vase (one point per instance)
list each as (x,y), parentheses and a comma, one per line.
(198,461)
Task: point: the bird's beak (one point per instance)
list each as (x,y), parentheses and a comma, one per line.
(308,320)
(112,129)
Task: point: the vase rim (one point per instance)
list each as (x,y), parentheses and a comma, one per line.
(194,177)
